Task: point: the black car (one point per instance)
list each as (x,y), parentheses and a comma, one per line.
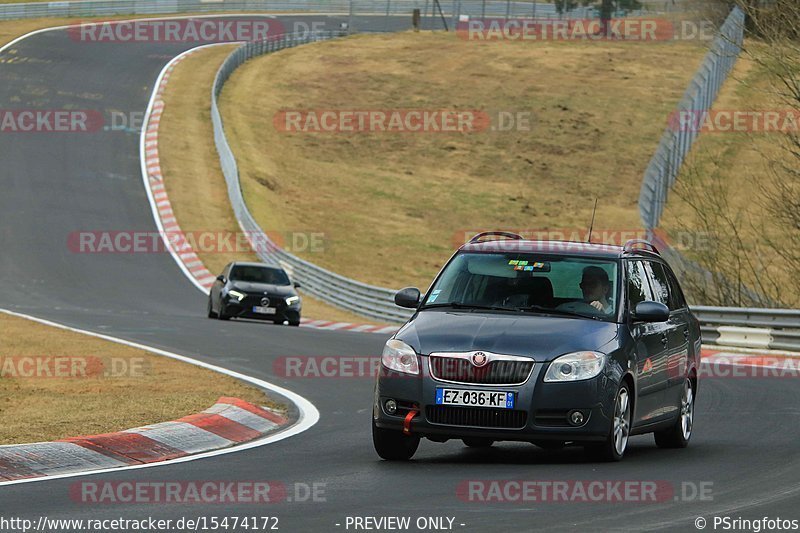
(553,343)
(255,290)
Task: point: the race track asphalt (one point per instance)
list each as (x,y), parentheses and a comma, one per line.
(746,439)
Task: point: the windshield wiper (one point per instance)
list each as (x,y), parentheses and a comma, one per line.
(552,311)
(458,305)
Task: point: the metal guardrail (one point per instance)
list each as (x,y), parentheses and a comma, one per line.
(747,327)
(368,300)
(678,140)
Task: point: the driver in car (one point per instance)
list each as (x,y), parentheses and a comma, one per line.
(596,288)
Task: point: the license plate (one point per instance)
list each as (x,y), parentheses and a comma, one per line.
(264,310)
(475,398)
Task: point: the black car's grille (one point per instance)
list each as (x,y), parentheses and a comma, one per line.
(255,299)
(476,417)
(461,370)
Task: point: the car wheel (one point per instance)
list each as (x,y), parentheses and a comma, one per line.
(393,445)
(679,434)
(477,442)
(210,309)
(613,449)
(221,313)
(294,324)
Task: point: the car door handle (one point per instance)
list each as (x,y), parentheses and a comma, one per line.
(686,334)
(664,339)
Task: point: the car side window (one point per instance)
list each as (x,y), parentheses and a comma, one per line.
(638,288)
(658,282)
(676,299)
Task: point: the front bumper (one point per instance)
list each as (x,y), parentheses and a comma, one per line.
(543,408)
(244,309)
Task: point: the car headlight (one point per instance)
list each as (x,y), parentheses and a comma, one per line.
(291,300)
(400,357)
(236,294)
(576,366)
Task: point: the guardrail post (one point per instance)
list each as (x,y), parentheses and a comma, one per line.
(350,18)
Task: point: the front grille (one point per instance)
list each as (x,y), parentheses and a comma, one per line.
(461,370)
(255,299)
(476,417)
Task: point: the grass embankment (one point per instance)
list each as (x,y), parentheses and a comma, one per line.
(391,205)
(729,180)
(91,386)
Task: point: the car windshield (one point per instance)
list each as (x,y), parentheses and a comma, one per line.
(257,274)
(521,282)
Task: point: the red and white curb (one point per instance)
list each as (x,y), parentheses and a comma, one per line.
(229,422)
(180,248)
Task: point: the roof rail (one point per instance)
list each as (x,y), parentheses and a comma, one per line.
(639,244)
(506,234)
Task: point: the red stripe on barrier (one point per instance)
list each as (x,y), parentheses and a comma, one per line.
(131,445)
(263,413)
(11,470)
(224,427)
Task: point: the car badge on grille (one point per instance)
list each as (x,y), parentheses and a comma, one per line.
(265,301)
(479,359)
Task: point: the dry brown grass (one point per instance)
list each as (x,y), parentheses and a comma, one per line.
(36,409)
(742,160)
(192,175)
(390,205)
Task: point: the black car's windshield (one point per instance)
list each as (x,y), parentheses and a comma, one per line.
(522,282)
(258,274)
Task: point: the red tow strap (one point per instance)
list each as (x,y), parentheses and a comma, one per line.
(407,421)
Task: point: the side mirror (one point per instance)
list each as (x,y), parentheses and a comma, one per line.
(297,285)
(651,312)
(408,298)
(221,279)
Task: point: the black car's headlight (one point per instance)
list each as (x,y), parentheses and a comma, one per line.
(400,357)
(576,366)
(292,300)
(234,294)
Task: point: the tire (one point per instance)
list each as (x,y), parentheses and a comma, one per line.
(211,313)
(393,445)
(613,449)
(221,313)
(294,324)
(477,442)
(678,435)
